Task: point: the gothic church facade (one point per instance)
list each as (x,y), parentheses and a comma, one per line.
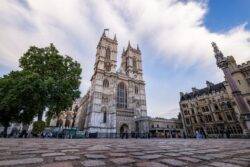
(116,99)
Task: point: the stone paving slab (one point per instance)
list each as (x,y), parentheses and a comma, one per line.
(124,152)
(150,164)
(59,164)
(21,161)
(149,157)
(222,164)
(122,161)
(52,154)
(189,159)
(90,163)
(65,158)
(95,156)
(173,162)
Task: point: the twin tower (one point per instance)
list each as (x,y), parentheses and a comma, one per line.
(116,99)
(106,58)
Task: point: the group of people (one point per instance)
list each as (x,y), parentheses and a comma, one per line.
(200,135)
(18,133)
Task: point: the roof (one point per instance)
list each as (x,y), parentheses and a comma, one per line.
(205,91)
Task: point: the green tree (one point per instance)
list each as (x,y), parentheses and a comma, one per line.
(8,102)
(38,127)
(30,90)
(60,74)
(20,93)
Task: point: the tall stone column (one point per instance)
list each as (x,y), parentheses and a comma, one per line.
(222,63)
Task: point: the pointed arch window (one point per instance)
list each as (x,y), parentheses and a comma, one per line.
(108,53)
(105,83)
(121,96)
(104,111)
(134,64)
(136,90)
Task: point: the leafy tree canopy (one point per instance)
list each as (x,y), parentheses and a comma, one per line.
(9,102)
(20,93)
(60,74)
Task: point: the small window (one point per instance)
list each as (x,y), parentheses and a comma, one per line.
(104,111)
(229,105)
(105,83)
(239,82)
(104,117)
(229,117)
(136,90)
(201,119)
(216,107)
(220,117)
(105,99)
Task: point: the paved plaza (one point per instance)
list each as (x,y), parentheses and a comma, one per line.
(126,152)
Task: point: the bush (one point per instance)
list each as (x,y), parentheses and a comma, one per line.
(38,127)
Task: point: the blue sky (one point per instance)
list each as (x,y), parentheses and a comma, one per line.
(174,37)
(224,14)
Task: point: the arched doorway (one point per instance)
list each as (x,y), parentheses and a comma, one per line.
(124,130)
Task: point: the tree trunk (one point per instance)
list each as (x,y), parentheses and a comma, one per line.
(5,131)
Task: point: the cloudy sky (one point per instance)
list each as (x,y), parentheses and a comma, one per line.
(174,37)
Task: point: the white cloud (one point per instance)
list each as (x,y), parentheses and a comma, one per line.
(173,29)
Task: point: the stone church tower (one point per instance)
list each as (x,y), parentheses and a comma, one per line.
(116,99)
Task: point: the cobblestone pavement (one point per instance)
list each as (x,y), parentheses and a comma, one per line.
(127,152)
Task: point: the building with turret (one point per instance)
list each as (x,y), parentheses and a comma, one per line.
(237,78)
(222,108)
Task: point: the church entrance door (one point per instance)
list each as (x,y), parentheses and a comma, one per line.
(124,131)
(124,128)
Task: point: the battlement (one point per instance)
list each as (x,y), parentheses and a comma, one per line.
(210,89)
(243,65)
(107,38)
(132,49)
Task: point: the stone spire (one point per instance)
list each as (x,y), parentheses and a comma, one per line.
(221,61)
(129,46)
(138,48)
(115,38)
(123,50)
(218,54)
(209,84)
